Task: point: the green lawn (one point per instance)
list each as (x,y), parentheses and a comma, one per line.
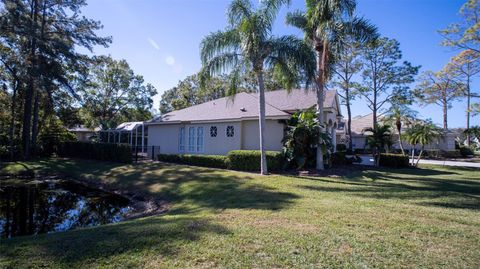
(412,218)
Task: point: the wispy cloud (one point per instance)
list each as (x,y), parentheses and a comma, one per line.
(153,43)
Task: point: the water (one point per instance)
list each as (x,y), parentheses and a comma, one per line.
(32,206)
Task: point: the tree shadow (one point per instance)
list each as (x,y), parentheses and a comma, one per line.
(80,248)
(447,189)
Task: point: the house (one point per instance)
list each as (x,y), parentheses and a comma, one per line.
(231,123)
(360,123)
(82,133)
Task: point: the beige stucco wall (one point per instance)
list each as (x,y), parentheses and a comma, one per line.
(245,137)
(273,135)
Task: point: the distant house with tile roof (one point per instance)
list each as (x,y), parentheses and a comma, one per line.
(360,123)
(231,123)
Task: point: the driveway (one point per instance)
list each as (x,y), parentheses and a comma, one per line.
(368,160)
(451,163)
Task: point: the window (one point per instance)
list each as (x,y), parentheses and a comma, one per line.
(200,139)
(213,131)
(230,131)
(191,139)
(181,139)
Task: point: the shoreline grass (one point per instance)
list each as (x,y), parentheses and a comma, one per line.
(402,218)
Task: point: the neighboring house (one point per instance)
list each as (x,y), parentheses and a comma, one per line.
(231,123)
(360,123)
(83,133)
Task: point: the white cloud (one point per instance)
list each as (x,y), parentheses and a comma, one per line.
(153,43)
(170,60)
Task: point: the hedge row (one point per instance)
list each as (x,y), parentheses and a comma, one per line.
(214,161)
(243,160)
(394,160)
(97,151)
(249,160)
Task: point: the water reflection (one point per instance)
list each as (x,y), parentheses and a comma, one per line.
(40,206)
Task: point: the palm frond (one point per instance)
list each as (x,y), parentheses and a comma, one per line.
(218,43)
(270,8)
(289,52)
(238,11)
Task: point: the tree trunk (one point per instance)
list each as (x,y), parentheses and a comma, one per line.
(12,121)
(27,114)
(468,110)
(419,156)
(400,142)
(261,123)
(445,122)
(349,123)
(35,122)
(320,48)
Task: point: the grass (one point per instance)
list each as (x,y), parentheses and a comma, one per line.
(410,218)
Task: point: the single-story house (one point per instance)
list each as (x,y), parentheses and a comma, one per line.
(359,137)
(231,123)
(82,133)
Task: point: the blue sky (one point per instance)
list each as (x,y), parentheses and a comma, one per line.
(160,38)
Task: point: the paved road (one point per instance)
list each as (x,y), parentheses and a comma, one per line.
(368,160)
(451,163)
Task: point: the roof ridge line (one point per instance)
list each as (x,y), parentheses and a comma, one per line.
(269,104)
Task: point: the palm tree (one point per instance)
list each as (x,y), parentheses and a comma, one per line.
(327,24)
(399,116)
(379,139)
(248,45)
(423,133)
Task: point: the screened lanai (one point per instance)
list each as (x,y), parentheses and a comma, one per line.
(134,134)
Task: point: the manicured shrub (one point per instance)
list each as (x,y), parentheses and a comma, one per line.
(341,147)
(214,161)
(450,153)
(465,151)
(249,160)
(393,160)
(96,151)
(340,158)
(362,151)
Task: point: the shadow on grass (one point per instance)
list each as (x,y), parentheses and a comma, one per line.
(449,189)
(79,248)
(202,187)
(189,189)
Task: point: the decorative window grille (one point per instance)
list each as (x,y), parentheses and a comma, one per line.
(213,131)
(230,131)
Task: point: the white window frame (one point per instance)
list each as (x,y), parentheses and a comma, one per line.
(191,145)
(181,139)
(200,137)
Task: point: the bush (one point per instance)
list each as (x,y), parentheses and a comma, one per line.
(249,160)
(362,151)
(97,151)
(394,160)
(341,147)
(214,161)
(340,158)
(466,151)
(450,153)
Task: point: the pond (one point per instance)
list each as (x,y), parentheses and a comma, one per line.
(33,206)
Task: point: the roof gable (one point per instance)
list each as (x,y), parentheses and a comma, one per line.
(243,105)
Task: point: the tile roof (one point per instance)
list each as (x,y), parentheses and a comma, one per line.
(245,106)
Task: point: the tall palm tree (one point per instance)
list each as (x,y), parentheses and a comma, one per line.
(248,45)
(379,139)
(423,133)
(327,24)
(399,116)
